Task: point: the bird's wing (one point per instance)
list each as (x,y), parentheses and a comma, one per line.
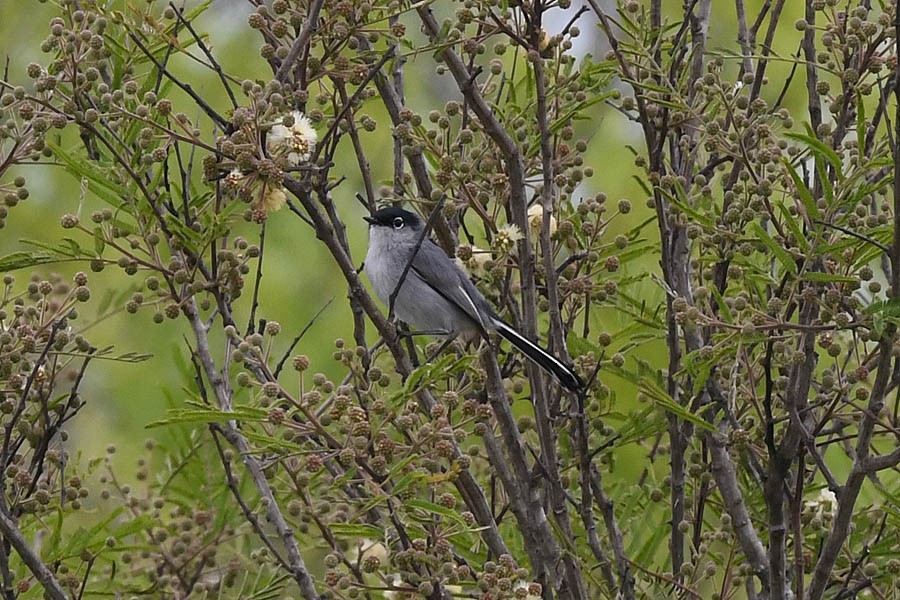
(437,270)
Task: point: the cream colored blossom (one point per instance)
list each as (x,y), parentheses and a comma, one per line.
(544,40)
(506,238)
(296,142)
(271,198)
(535,220)
(824,506)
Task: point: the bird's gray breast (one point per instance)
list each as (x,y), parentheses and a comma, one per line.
(417,302)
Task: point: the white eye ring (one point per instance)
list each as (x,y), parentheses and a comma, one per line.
(398,223)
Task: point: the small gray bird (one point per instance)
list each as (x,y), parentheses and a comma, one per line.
(436,296)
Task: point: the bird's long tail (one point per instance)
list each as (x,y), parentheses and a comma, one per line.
(542,358)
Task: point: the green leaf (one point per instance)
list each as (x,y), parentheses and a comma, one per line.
(99,241)
(405,481)
(467,546)
(886,308)
(431,507)
(777,249)
(103,186)
(52,545)
(794,226)
(356,531)
(132,526)
(819,149)
(106,354)
(579,345)
(22,260)
(681,203)
(84,538)
(724,309)
(209,415)
(435,370)
(68,249)
(860,122)
(269,443)
(812,211)
(644,379)
(819,277)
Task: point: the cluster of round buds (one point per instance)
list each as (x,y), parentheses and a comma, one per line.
(820,511)
(34,333)
(11,196)
(505,239)
(474,260)
(265,196)
(505,580)
(290,143)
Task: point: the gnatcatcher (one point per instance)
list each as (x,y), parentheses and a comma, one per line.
(436,296)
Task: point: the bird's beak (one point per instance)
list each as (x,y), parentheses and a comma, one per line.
(369,220)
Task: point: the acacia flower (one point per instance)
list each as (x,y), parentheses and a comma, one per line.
(270,198)
(506,238)
(535,219)
(824,506)
(296,143)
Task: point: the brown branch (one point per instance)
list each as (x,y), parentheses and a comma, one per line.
(862,462)
(221,388)
(881,462)
(616,540)
(543,419)
(394,103)
(179,13)
(325,232)
(186,87)
(48,581)
(299,45)
(361,160)
(540,543)
(814,105)
(232,484)
(398,85)
(744,37)
(766,47)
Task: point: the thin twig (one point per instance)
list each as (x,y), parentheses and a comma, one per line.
(186,87)
(221,388)
(310,27)
(49,583)
(299,337)
(205,49)
(348,104)
(232,484)
(855,234)
(257,282)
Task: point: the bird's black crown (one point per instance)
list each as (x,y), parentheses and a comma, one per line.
(387,217)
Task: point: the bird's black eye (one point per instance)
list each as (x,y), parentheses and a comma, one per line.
(398,223)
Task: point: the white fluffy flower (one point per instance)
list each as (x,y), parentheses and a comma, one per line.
(296,142)
(824,506)
(271,198)
(536,218)
(506,238)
